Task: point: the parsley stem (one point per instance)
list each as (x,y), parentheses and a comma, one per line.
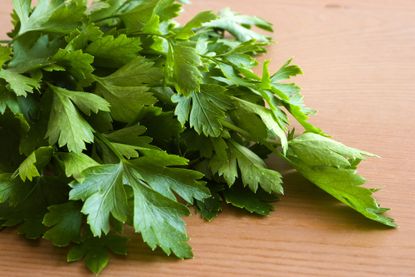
(149,34)
(5,41)
(233,127)
(106,18)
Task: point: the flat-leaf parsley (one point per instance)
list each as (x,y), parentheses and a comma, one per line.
(113,115)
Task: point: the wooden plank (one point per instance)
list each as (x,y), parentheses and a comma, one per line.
(359,64)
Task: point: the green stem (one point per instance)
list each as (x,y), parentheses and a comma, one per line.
(267,143)
(216,60)
(106,18)
(150,34)
(235,128)
(6,41)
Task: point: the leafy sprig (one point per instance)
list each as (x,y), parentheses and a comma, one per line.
(113,115)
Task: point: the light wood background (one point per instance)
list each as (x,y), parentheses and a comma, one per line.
(359,64)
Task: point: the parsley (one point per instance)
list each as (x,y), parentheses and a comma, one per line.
(113,115)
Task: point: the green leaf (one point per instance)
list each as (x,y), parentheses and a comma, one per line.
(154,168)
(127,89)
(182,65)
(248,200)
(35,137)
(30,167)
(6,187)
(75,163)
(57,16)
(10,132)
(239,25)
(231,155)
(130,135)
(250,47)
(28,202)
(22,9)
(210,207)
(183,108)
(158,218)
(33,52)
(65,222)
(97,261)
(187,32)
(268,117)
(222,162)
(208,109)
(162,137)
(157,214)
(316,150)
(253,170)
(80,37)
(147,15)
(287,71)
(19,84)
(336,174)
(127,141)
(66,126)
(124,142)
(77,63)
(290,94)
(114,52)
(86,102)
(101,188)
(95,251)
(9,101)
(5,53)
(99,10)
(251,123)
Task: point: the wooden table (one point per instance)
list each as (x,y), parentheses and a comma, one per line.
(359,64)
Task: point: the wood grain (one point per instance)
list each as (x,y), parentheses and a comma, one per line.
(359,64)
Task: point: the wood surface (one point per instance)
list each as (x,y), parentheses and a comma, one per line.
(359,63)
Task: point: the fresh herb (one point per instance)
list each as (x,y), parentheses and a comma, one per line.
(113,115)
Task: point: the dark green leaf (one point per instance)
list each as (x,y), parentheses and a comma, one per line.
(65,222)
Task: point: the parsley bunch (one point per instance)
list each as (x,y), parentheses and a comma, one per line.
(114,115)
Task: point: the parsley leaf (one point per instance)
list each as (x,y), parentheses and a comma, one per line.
(65,222)
(158,218)
(75,163)
(102,188)
(103,191)
(8,100)
(57,16)
(19,84)
(38,159)
(332,167)
(258,203)
(205,110)
(95,251)
(33,52)
(77,63)
(4,54)
(239,25)
(127,89)
(182,65)
(268,118)
(114,52)
(187,32)
(66,125)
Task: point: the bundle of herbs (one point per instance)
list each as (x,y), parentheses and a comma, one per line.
(113,115)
